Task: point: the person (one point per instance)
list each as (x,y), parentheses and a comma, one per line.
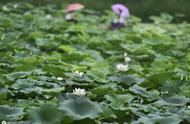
(122,12)
(71,9)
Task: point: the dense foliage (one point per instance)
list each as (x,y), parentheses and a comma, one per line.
(38,45)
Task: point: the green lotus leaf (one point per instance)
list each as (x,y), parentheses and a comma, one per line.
(46,114)
(118,101)
(10,113)
(140,91)
(80,107)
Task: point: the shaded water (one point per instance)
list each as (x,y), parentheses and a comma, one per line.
(140,8)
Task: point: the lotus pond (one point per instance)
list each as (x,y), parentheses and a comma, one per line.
(43,58)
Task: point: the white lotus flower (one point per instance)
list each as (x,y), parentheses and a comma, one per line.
(3,122)
(15,6)
(59,78)
(125,54)
(126,58)
(77,73)
(122,67)
(48,16)
(5,8)
(79,92)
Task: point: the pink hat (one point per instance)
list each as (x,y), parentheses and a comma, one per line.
(74,7)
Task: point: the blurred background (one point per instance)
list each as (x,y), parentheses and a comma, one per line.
(141,8)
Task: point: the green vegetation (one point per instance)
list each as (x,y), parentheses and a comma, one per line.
(38,46)
(140,8)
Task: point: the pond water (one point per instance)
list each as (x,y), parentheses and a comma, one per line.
(140,8)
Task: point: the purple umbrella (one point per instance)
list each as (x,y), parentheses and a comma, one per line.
(121,10)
